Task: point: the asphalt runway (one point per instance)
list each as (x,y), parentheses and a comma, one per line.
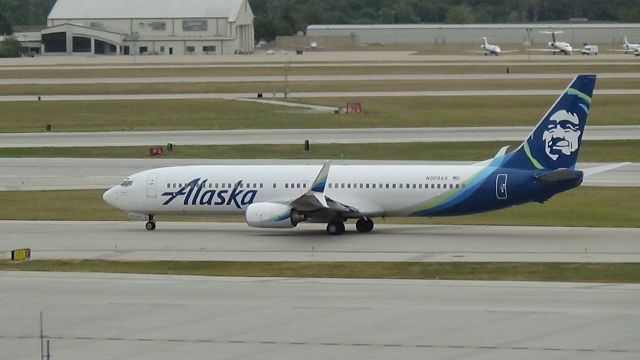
(297,136)
(378,56)
(105,316)
(303,95)
(189,241)
(312,64)
(301,78)
(68,174)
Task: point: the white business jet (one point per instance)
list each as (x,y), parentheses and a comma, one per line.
(555,45)
(628,47)
(282,196)
(491,49)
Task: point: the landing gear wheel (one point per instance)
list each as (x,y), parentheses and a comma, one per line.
(364,224)
(151,224)
(335,228)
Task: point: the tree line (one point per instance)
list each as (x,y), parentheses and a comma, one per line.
(287,17)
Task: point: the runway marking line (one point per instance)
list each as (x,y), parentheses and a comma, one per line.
(303,343)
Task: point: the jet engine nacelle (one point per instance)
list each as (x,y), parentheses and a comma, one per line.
(273,215)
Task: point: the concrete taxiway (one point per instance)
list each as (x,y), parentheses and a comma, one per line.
(297,136)
(301,78)
(67,174)
(188,241)
(319,94)
(103,316)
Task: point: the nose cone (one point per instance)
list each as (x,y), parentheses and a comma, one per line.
(111,196)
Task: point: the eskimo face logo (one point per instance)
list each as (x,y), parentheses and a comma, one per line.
(562,134)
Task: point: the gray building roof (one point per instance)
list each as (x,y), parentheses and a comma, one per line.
(145,9)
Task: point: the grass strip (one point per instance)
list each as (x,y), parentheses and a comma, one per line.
(196,114)
(503,271)
(278,70)
(585,207)
(591,151)
(269,87)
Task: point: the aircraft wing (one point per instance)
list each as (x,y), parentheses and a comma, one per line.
(316,200)
(545,50)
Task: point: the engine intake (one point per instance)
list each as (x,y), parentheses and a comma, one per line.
(273,215)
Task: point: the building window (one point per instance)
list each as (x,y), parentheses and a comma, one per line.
(161,49)
(208,50)
(81,44)
(194,25)
(143,50)
(158,26)
(190,50)
(55,42)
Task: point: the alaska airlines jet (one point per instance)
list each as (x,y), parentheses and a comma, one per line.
(282,196)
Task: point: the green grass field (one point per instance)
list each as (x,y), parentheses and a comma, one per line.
(504,271)
(585,206)
(226,114)
(591,151)
(293,69)
(295,86)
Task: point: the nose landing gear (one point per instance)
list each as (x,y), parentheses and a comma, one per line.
(151,224)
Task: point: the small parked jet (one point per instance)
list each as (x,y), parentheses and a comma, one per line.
(628,47)
(556,46)
(282,196)
(491,49)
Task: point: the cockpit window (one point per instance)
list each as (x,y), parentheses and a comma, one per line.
(127,183)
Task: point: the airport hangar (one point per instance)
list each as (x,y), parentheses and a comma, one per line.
(139,27)
(438,34)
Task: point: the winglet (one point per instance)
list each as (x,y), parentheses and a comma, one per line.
(321,180)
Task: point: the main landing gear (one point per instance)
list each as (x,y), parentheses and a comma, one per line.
(151,224)
(336,226)
(364,224)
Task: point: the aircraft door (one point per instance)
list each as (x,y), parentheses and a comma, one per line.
(501,186)
(151,185)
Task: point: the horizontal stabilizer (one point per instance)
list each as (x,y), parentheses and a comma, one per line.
(502,151)
(559,175)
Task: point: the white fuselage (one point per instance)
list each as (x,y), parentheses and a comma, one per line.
(562,46)
(375,190)
(491,49)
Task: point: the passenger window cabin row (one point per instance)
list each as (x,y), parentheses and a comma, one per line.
(331,186)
